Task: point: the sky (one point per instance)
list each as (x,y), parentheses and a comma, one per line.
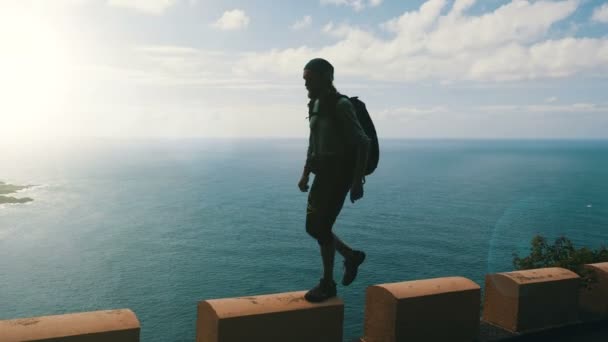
(233,68)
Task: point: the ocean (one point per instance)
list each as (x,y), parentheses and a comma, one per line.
(158,225)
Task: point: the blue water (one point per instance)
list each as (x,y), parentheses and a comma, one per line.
(157,226)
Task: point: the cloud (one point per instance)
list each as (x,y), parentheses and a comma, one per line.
(574,108)
(493,121)
(601,14)
(548,111)
(155,7)
(232,20)
(338,31)
(328,27)
(152,7)
(302,23)
(511,43)
(409,113)
(357,5)
(551,99)
(170,66)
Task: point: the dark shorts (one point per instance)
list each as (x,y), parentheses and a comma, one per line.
(327,194)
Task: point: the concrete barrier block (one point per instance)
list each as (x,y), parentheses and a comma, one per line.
(440,309)
(593,301)
(531,300)
(273,317)
(96,326)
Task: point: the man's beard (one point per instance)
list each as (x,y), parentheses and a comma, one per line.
(313,94)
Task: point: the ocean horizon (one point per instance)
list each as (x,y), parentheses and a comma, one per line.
(156,225)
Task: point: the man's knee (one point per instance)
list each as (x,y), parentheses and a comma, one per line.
(322,234)
(312,229)
(326,239)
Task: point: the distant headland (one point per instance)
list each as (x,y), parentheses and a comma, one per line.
(6,189)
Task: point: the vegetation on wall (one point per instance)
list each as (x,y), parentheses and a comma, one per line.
(562,253)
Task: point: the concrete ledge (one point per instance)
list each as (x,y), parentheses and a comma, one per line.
(593,302)
(440,309)
(96,326)
(274,317)
(529,300)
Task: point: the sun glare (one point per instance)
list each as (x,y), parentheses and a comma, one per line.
(35,71)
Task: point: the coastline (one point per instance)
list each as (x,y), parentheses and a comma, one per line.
(6,189)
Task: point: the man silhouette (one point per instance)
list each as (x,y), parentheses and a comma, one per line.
(337,155)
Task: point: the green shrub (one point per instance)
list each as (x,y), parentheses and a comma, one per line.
(561,254)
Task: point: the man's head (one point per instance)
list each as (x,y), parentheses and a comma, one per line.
(318,76)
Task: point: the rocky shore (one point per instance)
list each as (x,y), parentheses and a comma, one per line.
(6,189)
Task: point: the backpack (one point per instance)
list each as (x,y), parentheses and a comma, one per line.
(370,130)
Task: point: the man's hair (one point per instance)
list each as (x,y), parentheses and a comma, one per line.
(321,66)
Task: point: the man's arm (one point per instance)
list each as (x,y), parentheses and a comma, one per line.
(303,183)
(306,171)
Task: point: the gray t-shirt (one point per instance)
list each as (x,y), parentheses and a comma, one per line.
(325,139)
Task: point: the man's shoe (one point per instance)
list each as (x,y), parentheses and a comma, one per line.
(351,264)
(324,290)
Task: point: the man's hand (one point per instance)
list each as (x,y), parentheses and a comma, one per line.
(303,183)
(356,190)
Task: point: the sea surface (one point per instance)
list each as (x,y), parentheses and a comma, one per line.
(158,225)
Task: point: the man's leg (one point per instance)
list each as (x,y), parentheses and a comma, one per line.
(342,247)
(316,226)
(318,222)
(328,252)
(327,286)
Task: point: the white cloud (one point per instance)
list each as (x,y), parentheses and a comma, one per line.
(302,23)
(601,14)
(416,22)
(175,66)
(574,108)
(357,5)
(232,20)
(573,120)
(507,44)
(338,31)
(409,113)
(328,27)
(147,6)
(551,99)
(153,7)
(461,5)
